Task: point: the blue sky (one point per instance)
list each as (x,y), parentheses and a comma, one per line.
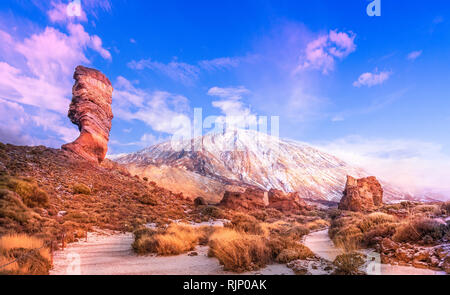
(372,90)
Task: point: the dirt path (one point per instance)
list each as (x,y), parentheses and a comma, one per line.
(112,255)
(320,243)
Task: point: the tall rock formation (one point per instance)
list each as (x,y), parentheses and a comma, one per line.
(365,194)
(90,110)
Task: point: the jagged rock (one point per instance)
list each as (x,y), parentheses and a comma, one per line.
(285,202)
(251,199)
(387,245)
(365,194)
(200,201)
(90,110)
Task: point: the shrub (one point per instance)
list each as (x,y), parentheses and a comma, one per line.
(417,229)
(446,207)
(295,252)
(298,231)
(212,212)
(239,251)
(174,240)
(428,209)
(317,224)
(374,235)
(246,223)
(349,263)
(34,258)
(32,196)
(374,219)
(147,199)
(80,188)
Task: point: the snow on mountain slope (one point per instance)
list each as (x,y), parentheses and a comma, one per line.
(249,158)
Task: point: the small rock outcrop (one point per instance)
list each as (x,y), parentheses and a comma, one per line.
(362,195)
(251,199)
(91,111)
(285,202)
(405,254)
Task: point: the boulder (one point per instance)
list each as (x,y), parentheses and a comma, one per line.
(285,202)
(250,199)
(365,194)
(91,111)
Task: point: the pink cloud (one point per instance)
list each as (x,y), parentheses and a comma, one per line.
(59,14)
(36,72)
(321,53)
(372,79)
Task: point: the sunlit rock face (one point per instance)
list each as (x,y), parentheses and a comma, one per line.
(251,199)
(91,111)
(365,194)
(285,202)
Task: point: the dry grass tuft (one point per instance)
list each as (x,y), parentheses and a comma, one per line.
(239,251)
(176,239)
(422,229)
(33,257)
(349,263)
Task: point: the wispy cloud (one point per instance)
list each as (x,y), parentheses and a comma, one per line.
(414,55)
(161,110)
(226,63)
(178,71)
(322,52)
(371,79)
(237,114)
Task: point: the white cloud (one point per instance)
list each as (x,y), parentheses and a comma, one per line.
(237,114)
(414,55)
(178,71)
(51,57)
(371,79)
(322,52)
(16,124)
(162,111)
(415,166)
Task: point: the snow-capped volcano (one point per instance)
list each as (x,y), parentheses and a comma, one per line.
(211,164)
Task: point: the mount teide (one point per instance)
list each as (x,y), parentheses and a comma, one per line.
(243,158)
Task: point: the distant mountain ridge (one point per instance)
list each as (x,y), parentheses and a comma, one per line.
(246,158)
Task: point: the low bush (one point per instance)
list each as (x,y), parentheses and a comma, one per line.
(148,199)
(32,196)
(81,188)
(446,207)
(417,229)
(239,251)
(246,223)
(349,263)
(174,240)
(212,212)
(33,258)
